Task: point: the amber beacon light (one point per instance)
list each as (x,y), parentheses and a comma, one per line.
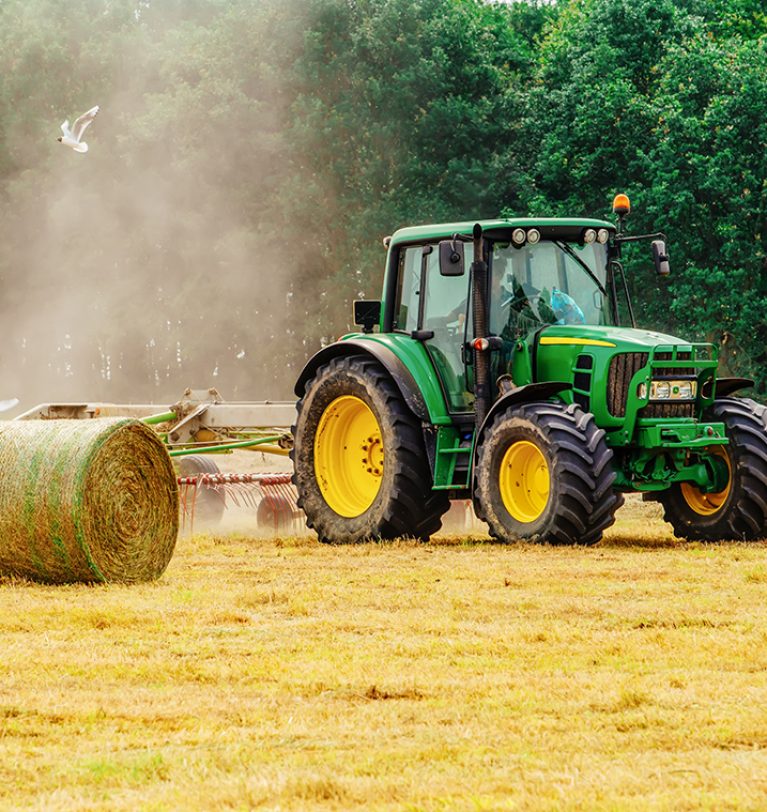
(621,205)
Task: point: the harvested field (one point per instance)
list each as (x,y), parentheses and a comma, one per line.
(281,674)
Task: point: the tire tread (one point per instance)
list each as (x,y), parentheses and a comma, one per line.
(587,500)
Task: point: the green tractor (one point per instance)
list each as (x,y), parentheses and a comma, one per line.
(496,368)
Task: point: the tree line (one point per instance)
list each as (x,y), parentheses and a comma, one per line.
(250,155)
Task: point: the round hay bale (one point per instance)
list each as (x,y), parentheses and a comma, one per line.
(85,500)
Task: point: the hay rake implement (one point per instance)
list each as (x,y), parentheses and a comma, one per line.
(272,496)
(199,429)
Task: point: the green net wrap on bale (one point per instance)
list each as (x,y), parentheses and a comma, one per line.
(85,500)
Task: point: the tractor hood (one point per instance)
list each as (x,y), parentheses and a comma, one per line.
(601,357)
(624,339)
(611,370)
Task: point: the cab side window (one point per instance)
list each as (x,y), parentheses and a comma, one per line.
(408,289)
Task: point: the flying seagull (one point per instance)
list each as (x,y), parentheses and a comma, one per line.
(73,138)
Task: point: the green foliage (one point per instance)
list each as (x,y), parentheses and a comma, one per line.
(709,167)
(250,155)
(397,122)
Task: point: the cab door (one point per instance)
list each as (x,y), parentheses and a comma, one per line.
(435,309)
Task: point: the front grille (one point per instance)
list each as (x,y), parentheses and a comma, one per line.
(668,410)
(667,356)
(674,372)
(623,367)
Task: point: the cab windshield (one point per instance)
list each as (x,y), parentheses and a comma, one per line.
(553,282)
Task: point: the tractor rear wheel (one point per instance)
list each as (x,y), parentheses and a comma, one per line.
(544,473)
(739,510)
(360,465)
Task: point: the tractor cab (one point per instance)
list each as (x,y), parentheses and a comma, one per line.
(539,273)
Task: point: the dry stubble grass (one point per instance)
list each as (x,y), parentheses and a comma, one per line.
(457,675)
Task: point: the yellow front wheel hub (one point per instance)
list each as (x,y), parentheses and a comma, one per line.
(706,504)
(348,456)
(524,481)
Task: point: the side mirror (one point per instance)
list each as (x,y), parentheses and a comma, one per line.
(451,258)
(367,314)
(660,258)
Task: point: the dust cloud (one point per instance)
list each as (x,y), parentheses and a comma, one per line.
(157,260)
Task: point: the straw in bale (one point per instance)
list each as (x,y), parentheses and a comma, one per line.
(85,501)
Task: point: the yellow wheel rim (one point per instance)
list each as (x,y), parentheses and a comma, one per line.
(348,456)
(706,504)
(524,481)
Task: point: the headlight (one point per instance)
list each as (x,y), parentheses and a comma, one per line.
(518,236)
(533,236)
(589,235)
(685,390)
(669,390)
(603,235)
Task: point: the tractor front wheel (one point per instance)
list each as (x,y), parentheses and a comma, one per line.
(360,465)
(739,510)
(544,473)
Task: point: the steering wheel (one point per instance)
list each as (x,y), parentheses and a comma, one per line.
(518,303)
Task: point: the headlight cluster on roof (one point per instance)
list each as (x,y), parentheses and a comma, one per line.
(591,235)
(519,236)
(532,236)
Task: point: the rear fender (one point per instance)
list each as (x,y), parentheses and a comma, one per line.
(400,374)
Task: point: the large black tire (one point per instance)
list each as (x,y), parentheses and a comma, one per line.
(740,510)
(210,503)
(404,504)
(544,473)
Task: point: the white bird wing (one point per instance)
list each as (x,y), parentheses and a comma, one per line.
(81,124)
(65,127)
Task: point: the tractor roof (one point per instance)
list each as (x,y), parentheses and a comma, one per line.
(444,230)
